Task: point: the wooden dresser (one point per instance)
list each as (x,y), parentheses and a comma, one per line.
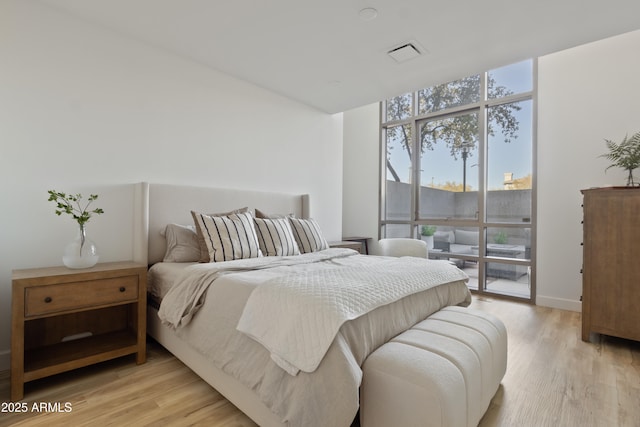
(611,262)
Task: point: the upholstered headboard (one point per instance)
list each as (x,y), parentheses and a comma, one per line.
(160,204)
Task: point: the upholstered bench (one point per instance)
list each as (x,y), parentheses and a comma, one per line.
(443,371)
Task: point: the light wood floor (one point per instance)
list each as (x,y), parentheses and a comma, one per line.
(553,379)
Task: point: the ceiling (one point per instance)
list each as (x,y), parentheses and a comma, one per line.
(324,54)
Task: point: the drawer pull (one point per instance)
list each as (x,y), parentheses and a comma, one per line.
(122,289)
(48,300)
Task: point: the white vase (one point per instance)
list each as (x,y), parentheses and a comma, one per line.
(81,253)
(429,240)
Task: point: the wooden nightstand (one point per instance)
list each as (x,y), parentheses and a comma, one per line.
(349,245)
(63,319)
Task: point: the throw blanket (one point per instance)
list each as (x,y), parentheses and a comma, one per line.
(297,316)
(187,296)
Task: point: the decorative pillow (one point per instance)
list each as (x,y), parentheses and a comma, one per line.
(464,237)
(182,243)
(260,214)
(229,237)
(204,251)
(276,237)
(444,236)
(308,235)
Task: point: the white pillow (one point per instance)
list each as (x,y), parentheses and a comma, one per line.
(464,237)
(444,236)
(275,237)
(308,235)
(229,237)
(182,243)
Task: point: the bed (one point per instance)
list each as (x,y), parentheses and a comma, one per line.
(277,375)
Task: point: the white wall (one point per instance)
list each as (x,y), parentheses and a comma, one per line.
(361,173)
(83,109)
(585,94)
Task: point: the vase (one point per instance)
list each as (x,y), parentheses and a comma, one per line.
(429,240)
(81,253)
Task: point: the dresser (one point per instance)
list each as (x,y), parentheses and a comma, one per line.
(611,262)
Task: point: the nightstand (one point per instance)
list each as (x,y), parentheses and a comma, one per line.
(363,240)
(63,319)
(357,246)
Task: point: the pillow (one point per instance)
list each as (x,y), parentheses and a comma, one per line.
(260,214)
(204,251)
(276,237)
(308,235)
(229,237)
(182,243)
(444,236)
(464,237)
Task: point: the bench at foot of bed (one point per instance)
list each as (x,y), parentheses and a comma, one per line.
(441,372)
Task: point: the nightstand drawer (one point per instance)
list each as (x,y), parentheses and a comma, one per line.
(42,300)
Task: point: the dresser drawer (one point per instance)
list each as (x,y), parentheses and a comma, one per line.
(42,300)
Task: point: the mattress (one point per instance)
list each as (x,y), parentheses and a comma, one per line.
(163,275)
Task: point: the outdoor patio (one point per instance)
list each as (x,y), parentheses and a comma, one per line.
(517,288)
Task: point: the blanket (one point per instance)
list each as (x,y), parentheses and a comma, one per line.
(297,316)
(186,297)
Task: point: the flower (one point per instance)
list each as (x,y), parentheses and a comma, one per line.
(71,204)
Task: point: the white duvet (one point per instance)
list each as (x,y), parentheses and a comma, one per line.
(207,304)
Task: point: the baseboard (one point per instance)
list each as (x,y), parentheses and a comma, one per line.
(562,304)
(5,360)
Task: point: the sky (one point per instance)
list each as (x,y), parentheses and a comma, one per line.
(438,167)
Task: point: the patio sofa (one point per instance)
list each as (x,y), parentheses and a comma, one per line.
(447,244)
(456,241)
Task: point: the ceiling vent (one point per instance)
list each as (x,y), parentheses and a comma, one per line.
(404,52)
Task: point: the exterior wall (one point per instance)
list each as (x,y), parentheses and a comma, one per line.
(507,205)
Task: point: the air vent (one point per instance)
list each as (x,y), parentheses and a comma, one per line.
(404,53)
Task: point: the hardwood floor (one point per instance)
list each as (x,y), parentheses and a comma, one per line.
(553,379)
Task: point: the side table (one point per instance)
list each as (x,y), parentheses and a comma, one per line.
(64,319)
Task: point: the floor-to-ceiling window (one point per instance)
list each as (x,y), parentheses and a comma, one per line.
(459,172)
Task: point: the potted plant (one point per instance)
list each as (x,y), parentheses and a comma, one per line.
(427,232)
(625,155)
(500,238)
(81,253)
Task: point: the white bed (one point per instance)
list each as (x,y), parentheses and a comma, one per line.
(164,204)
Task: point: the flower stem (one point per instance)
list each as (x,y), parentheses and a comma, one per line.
(82,238)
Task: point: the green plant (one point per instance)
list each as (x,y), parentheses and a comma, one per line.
(428,230)
(72,204)
(500,238)
(625,155)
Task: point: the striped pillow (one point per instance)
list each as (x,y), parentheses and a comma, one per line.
(308,235)
(229,237)
(276,237)
(204,251)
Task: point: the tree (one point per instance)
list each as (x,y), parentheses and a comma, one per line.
(455,131)
(455,187)
(524,183)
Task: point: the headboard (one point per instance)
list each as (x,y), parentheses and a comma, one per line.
(160,204)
